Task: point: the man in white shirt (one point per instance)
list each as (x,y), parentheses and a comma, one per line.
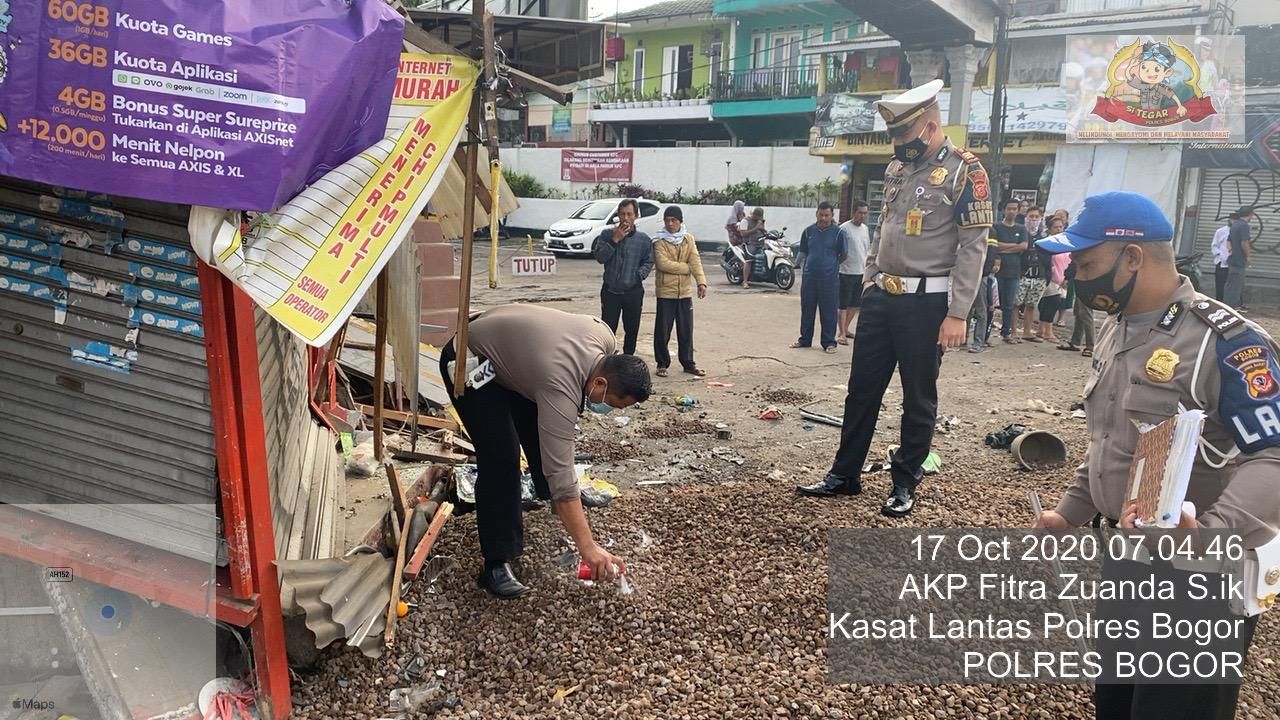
(858,240)
(1221,248)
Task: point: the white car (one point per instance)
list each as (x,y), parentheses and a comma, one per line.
(575,234)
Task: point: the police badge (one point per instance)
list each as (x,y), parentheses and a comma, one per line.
(1162,364)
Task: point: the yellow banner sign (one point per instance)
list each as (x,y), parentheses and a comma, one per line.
(310,262)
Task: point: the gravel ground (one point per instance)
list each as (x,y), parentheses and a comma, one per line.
(729,615)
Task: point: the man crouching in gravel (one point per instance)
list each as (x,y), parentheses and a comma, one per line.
(530,372)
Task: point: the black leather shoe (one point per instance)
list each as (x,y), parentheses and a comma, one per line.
(831,486)
(900,502)
(503,583)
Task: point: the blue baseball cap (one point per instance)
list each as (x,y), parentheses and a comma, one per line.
(1123,216)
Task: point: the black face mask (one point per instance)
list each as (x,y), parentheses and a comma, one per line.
(1101,293)
(912,150)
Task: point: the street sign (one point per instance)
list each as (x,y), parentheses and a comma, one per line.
(535,265)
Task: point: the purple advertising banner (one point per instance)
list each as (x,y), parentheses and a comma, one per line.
(230,103)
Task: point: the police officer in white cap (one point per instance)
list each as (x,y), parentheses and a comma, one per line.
(922,273)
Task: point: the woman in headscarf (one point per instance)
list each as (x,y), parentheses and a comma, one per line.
(734,233)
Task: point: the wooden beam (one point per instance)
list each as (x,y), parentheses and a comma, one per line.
(540,86)
(389,637)
(444,458)
(482,193)
(414,566)
(428,420)
(397,493)
(415,35)
(379,361)
(468,248)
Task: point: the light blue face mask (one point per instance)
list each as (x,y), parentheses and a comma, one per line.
(599,408)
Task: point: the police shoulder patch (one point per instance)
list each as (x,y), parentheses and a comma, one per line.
(1249,395)
(967,156)
(1216,315)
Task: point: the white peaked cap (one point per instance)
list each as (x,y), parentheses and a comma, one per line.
(908,106)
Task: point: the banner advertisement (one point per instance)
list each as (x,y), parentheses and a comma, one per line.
(1154,88)
(309,263)
(1260,149)
(595,166)
(845,114)
(561,120)
(1029,110)
(235,102)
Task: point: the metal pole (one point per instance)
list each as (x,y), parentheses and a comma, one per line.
(995,138)
(469,204)
(379,360)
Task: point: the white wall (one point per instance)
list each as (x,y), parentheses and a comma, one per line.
(1256,12)
(690,169)
(706,222)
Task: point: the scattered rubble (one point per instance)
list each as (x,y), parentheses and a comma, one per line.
(677,428)
(786,397)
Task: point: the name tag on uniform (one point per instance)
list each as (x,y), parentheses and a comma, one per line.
(478,373)
(483,373)
(915,221)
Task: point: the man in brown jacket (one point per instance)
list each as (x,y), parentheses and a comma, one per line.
(675,254)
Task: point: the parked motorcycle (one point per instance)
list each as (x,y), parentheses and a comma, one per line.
(1189,265)
(778,267)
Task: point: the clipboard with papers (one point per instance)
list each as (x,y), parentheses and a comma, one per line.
(1161,468)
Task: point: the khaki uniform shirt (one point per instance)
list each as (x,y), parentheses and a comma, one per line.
(1195,353)
(546,356)
(951,190)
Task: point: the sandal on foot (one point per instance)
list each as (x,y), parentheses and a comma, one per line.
(661,372)
(1069,347)
(830,350)
(696,372)
(1087,352)
(799,346)
(843,341)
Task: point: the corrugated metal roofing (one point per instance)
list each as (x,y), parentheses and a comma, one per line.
(670,8)
(1063,20)
(341,598)
(430,384)
(304,466)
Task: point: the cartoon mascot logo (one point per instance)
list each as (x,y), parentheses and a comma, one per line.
(1153,84)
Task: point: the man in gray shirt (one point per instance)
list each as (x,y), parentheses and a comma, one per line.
(858,241)
(1238,263)
(539,369)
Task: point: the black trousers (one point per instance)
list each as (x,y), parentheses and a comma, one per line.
(893,331)
(628,305)
(1136,701)
(501,421)
(680,313)
(1219,282)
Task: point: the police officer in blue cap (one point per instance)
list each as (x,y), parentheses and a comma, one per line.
(1166,347)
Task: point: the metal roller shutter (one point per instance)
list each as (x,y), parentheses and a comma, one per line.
(1223,191)
(103,383)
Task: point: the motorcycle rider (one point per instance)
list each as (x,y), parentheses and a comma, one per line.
(753,243)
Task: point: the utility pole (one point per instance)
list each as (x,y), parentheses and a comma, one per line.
(995,138)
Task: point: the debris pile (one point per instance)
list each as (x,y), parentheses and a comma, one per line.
(677,428)
(785,396)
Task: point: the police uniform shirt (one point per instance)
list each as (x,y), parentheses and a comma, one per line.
(951,191)
(1193,353)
